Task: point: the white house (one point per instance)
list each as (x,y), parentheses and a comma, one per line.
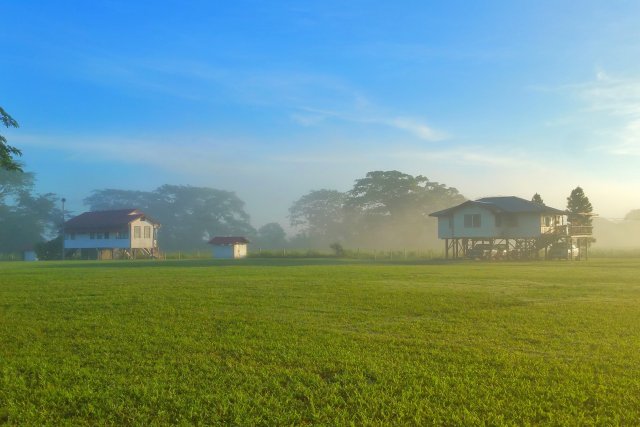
(517,225)
(229,247)
(107,233)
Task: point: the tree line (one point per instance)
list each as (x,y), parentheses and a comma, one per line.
(384,209)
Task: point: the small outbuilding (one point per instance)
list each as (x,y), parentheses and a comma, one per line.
(233,247)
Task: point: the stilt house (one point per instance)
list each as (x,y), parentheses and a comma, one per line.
(508,227)
(123,233)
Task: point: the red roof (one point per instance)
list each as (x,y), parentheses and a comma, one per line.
(219,240)
(104,220)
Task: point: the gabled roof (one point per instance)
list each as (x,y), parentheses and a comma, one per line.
(232,240)
(105,220)
(508,204)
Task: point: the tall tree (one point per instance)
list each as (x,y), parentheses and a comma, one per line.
(579,207)
(391,208)
(319,215)
(26,218)
(537,199)
(271,236)
(393,193)
(7,152)
(384,209)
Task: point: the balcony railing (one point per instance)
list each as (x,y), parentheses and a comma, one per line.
(580,230)
(568,230)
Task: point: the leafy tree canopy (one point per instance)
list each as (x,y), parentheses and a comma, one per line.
(319,213)
(7,152)
(383,208)
(270,236)
(25,218)
(389,193)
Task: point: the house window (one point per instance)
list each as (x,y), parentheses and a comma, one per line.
(498,220)
(547,221)
(147,232)
(92,236)
(512,220)
(99,236)
(122,235)
(472,221)
(136,232)
(106,234)
(70,236)
(450,223)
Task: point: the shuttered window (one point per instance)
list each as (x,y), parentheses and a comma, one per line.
(472,221)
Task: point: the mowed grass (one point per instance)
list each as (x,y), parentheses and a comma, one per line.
(284,342)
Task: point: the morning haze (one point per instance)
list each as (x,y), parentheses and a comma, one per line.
(272,102)
(324,213)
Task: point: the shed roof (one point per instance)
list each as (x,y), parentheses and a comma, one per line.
(504,204)
(105,220)
(231,240)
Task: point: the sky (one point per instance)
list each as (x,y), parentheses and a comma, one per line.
(274,99)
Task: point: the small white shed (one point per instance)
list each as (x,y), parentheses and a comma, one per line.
(233,247)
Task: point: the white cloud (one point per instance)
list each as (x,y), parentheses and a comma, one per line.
(610,117)
(185,155)
(417,128)
(470,156)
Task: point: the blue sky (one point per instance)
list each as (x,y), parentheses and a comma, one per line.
(274,99)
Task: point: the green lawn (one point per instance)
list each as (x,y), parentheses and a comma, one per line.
(280,342)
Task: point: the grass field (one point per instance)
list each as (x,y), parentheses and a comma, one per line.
(281,342)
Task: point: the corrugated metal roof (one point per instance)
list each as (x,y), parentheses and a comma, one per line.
(514,204)
(104,220)
(506,204)
(231,240)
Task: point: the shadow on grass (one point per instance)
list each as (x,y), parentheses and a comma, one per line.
(247,262)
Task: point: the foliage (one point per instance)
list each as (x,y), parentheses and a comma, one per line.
(393,194)
(537,199)
(319,215)
(385,208)
(337,249)
(189,215)
(319,342)
(25,218)
(51,250)
(579,207)
(270,236)
(7,152)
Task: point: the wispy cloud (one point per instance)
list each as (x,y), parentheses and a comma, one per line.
(417,128)
(182,154)
(472,156)
(615,96)
(308,116)
(309,98)
(610,112)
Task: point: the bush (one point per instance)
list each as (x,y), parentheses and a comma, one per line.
(49,250)
(337,248)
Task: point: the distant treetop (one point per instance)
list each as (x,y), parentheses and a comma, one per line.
(537,199)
